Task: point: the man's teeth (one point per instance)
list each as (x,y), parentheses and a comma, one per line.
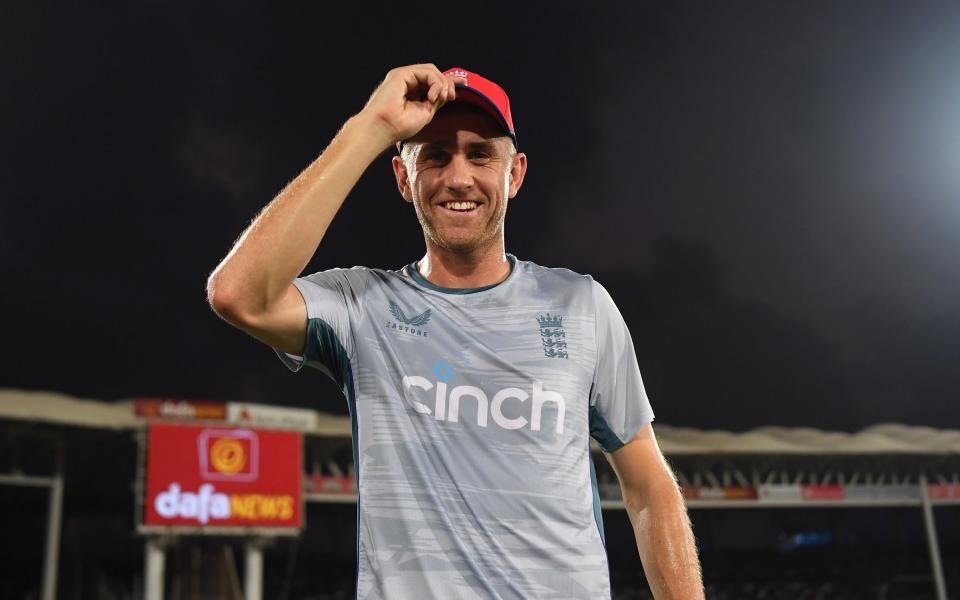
(460,205)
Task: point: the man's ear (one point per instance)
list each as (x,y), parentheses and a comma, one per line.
(517,172)
(403,178)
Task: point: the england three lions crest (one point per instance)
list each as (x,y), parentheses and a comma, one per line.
(553,336)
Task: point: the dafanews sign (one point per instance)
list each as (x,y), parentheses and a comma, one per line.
(222,476)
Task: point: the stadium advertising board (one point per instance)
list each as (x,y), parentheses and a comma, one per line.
(773,492)
(823,492)
(944,491)
(331,484)
(274,417)
(221,476)
(169,408)
(892,492)
(730,492)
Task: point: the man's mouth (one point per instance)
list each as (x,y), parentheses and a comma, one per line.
(460,206)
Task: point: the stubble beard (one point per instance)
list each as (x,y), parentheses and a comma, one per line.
(490,233)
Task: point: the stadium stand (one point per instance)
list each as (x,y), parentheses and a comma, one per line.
(778,513)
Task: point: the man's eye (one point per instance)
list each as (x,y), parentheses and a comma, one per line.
(479,155)
(435,156)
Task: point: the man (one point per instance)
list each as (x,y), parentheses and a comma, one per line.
(474,379)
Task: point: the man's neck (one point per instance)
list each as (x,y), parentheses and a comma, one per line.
(482,268)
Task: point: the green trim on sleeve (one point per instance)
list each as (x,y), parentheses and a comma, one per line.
(324,346)
(597,511)
(600,431)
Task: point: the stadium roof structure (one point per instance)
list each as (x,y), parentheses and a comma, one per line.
(62,409)
(891,438)
(888,438)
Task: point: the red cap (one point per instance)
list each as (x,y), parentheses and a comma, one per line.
(483,93)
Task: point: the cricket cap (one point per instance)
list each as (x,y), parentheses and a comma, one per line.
(481,92)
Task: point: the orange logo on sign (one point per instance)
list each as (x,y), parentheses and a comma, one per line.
(228,454)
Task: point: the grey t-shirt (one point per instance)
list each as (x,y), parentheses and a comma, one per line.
(472,415)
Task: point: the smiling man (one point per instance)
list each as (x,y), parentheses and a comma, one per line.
(475,380)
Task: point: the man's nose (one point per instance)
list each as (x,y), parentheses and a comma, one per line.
(458,176)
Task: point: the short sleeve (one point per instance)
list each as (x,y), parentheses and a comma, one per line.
(618,401)
(330,298)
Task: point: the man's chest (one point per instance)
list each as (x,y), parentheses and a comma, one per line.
(543,338)
(526,366)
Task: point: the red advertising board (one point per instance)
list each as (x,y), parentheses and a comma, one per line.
(823,492)
(222,476)
(943,491)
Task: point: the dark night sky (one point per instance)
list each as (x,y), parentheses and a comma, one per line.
(771,191)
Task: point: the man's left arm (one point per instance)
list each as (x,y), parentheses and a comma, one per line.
(659,517)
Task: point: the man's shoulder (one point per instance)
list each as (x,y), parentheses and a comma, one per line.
(356,274)
(559,275)
(558,282)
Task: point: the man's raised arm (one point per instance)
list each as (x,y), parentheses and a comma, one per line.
(252,288)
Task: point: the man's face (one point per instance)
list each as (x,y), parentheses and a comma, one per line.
(459,172)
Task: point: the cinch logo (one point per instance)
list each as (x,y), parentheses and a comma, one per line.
(446,405)
(206,504)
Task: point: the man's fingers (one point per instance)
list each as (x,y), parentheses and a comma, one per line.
(424,82)
(448,91)
(423,90)
(436,88)
(427,83)
(450,87)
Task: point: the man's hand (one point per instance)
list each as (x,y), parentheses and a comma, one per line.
(408,98)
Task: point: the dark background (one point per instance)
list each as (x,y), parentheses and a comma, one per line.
(770,191)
